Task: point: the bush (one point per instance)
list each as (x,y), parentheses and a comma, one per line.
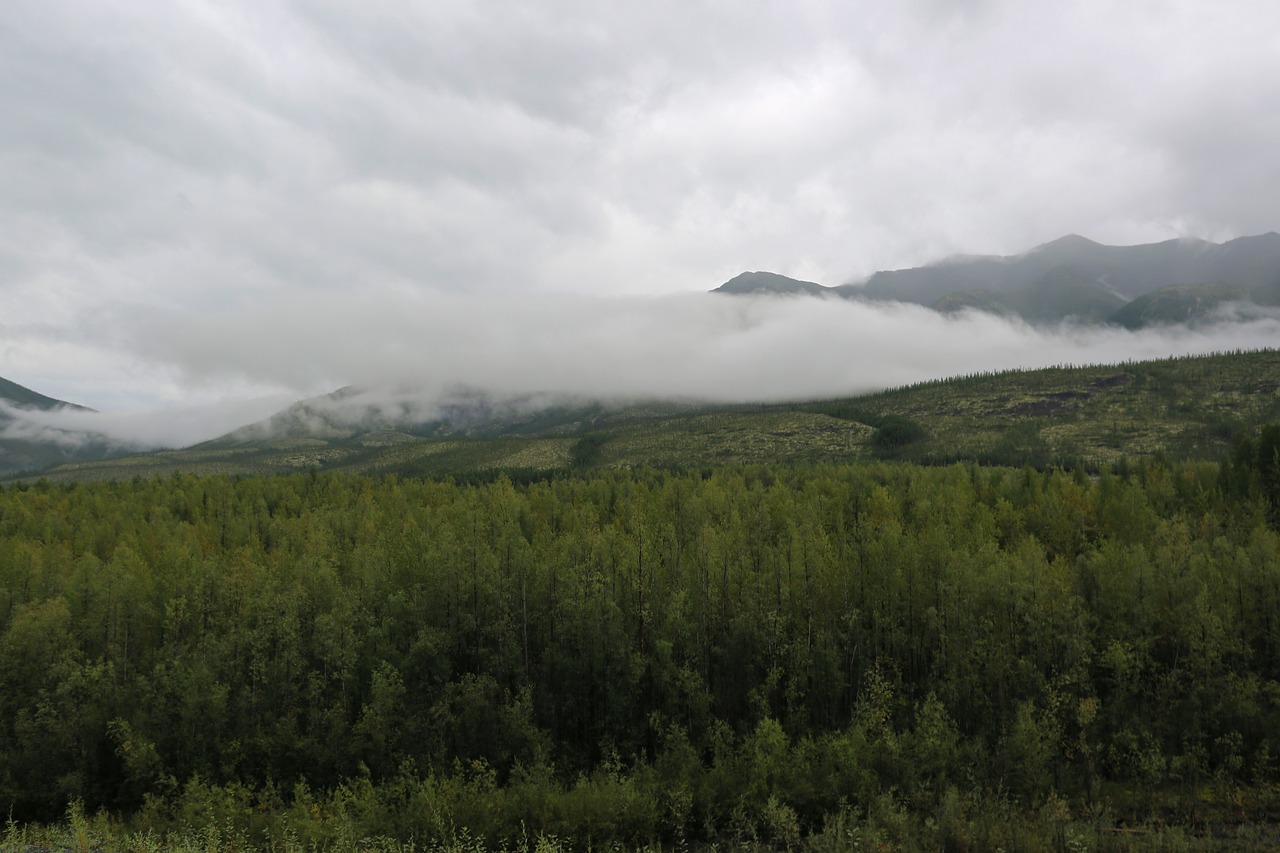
(894,433)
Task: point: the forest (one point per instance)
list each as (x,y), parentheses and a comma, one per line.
(867,656)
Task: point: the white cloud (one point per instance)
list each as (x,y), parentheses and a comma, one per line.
(148,429)
(233,157)
(702,346)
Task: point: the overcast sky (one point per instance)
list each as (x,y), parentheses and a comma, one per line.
(210,200)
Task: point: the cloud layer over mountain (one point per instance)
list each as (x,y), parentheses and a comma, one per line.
(226,159)
(702,345)
(415,350)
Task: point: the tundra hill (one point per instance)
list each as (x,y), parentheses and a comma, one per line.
(1191,408)
(1182,408)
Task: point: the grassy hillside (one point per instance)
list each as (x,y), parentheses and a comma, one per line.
(1183,408)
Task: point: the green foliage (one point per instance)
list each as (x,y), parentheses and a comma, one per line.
(923,657)
(587,450)
(893,433)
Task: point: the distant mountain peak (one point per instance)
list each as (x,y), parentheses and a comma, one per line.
(1070,241)
(762,281)
(1071,277)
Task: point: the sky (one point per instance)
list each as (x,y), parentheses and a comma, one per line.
(225,206)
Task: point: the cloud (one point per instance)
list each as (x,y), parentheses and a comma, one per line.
(168,427)
(412,356)
(414,350)
(218,157)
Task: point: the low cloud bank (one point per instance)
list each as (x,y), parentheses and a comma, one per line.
(151,429)
(700,346)
(409,353)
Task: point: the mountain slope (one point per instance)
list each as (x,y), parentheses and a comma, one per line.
(25,445)
(1184,408)
(1065,293)
(23,397)
(352,412)
(1060,294)
(1178,304)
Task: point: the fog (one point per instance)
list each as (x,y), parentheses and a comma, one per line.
(148,429)
(413,356)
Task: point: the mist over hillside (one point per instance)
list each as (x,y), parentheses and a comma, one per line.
(27,443)
(410,354)
(418,411)
(430,362)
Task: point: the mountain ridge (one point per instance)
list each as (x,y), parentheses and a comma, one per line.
(1012,284)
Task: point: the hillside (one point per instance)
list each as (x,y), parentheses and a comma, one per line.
(1188,408)
(1060,294)
(1183,408)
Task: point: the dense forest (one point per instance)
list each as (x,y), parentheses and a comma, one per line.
(962,657)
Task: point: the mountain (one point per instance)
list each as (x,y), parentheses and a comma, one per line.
(1130,271)
(768,282)
(1065,293)
(18,395)
(28,445)
(1071,277)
